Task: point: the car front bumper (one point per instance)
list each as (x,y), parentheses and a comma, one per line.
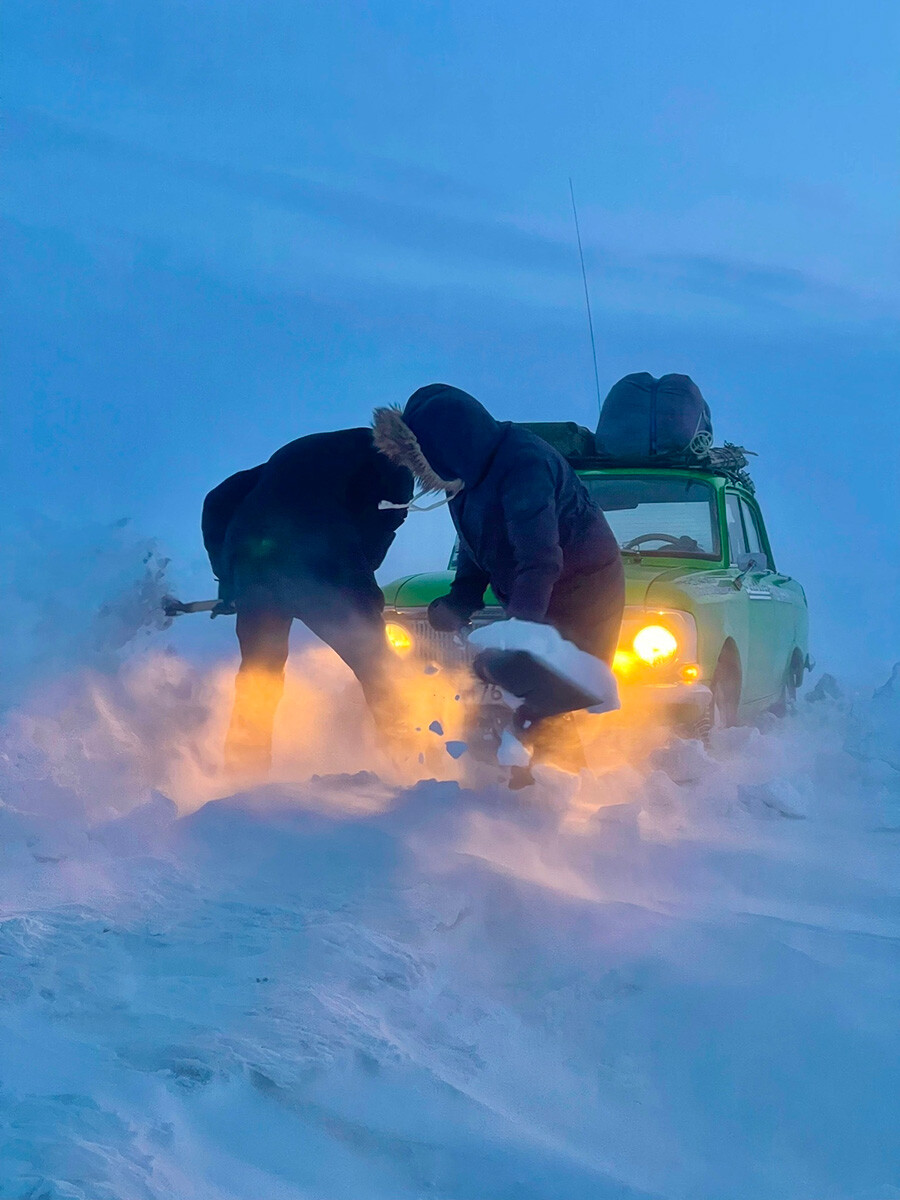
(685,705)
(679,702)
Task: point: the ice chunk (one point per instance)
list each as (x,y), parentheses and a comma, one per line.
(511,752)
(685,761)
(875,731)
(827,688)
(779,797)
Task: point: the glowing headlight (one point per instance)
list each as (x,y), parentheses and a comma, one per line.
(655,644)
(398,638)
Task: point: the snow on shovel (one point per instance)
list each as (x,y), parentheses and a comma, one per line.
(541,672)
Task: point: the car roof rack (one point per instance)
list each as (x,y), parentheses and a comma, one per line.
(576,443)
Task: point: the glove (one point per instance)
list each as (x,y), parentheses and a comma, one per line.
(225,605)
(444,616)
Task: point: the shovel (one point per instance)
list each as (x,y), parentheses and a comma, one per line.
(174,608)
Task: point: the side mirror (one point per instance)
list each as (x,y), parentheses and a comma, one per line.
(757,561)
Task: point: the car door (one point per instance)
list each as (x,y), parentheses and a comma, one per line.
(742,619)
(753,604)
(777,599)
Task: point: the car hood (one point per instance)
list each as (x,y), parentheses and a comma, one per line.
(416,591)
(662,586)
(646,582)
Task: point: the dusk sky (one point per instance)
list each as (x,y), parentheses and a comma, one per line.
(230,224)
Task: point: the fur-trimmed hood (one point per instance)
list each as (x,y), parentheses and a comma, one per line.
(397,442)
(444,436)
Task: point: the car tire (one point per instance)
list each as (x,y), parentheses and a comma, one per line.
(726,694)
(793,678)
(726,689)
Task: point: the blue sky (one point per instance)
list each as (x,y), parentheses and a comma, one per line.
(229,224)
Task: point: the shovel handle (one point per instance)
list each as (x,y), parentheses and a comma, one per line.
(174,608)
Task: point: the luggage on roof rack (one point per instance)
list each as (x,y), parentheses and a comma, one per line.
(570,439)
(646,421)
(579,445)
(649,422)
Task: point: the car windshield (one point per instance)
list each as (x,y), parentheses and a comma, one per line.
(669,516)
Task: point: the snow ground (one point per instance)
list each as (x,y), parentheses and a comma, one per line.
(679,979)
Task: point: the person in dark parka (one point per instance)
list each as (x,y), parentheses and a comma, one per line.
(301,536)
(526,524)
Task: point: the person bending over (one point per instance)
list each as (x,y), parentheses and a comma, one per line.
(301,536)
(526,523)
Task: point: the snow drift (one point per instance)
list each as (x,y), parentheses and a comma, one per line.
(676,979)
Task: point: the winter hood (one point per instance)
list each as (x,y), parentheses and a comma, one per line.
(443,435)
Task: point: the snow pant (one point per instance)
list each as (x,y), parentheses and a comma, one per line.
(587,610)
(347,617)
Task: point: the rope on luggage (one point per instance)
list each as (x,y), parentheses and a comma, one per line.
(731,461)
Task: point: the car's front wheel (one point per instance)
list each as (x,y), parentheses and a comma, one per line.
(725,698)
(726,689)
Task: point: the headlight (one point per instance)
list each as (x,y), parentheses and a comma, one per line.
(398,638)
(655,644)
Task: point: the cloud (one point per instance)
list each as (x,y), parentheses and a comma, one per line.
(288,229)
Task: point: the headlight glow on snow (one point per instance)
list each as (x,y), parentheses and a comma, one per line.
(398,638)
(655,644)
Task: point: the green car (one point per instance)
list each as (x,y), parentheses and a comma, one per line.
(713,633)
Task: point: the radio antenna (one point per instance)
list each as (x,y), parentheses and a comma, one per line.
(587,298)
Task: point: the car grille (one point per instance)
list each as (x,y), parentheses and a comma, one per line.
(445,649)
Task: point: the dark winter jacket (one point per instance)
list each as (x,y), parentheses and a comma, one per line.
(525,521)
(311,511)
